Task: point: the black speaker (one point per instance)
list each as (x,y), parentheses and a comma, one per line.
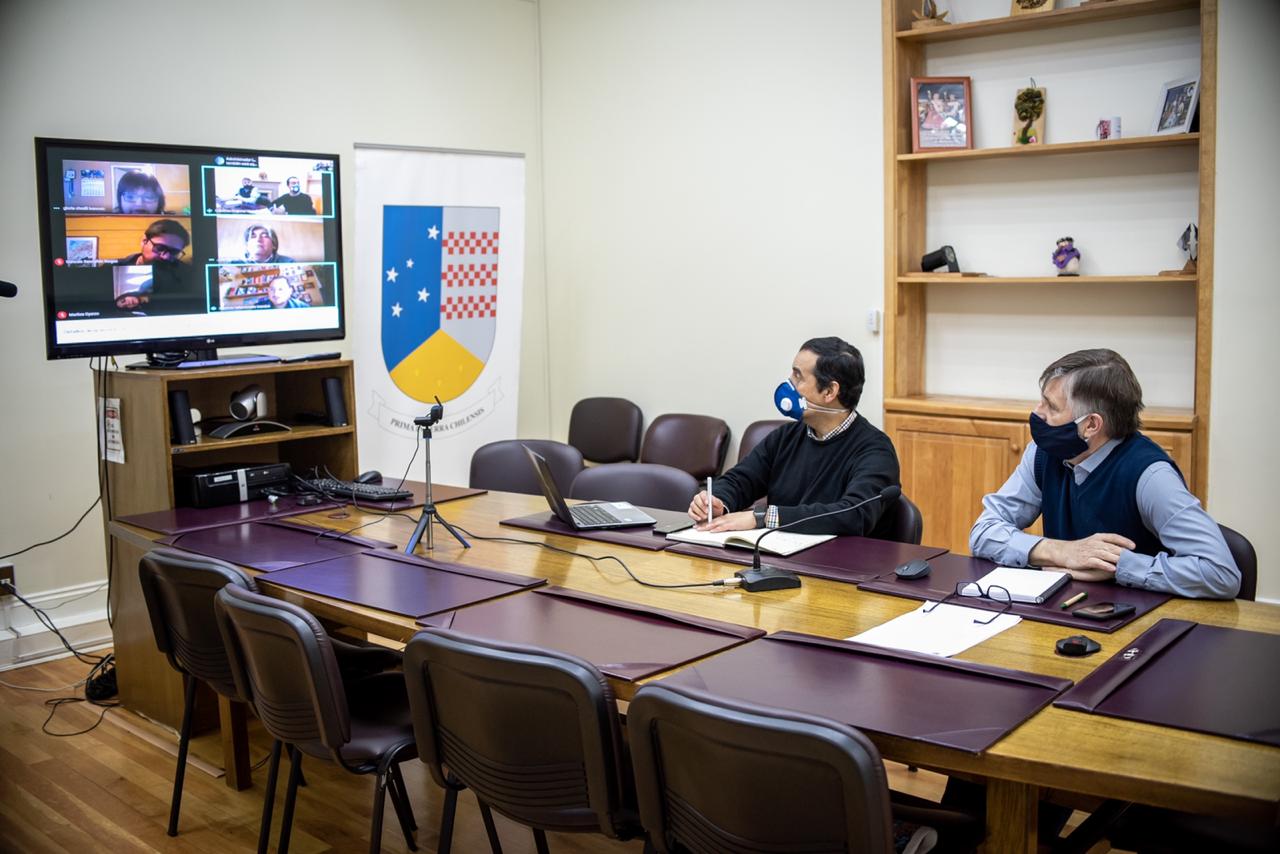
(335,402)
(184,432)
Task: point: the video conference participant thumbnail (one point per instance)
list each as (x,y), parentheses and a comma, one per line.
(253,286)
(125,187)
(154,278)
(280,186)
(273,242)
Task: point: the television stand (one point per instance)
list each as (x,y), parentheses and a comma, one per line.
(194,359)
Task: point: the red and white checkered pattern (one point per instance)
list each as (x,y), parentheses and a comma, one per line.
(468,307)
(470,242)
(469,275)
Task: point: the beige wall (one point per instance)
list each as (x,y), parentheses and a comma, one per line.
(451,73)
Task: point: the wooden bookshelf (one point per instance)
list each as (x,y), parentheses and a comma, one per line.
(971,443)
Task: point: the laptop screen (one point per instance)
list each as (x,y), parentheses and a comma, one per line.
(549,488)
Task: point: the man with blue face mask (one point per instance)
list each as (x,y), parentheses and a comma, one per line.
(1115,506)
(827,460)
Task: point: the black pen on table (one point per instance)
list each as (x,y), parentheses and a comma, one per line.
(1079,597)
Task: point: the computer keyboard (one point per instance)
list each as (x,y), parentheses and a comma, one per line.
(591,514)
(358,491)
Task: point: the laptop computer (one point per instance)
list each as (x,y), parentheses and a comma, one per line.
(585,517)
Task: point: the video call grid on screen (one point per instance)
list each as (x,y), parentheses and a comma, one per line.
(99,200)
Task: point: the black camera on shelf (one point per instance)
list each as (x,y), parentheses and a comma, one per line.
(434,414)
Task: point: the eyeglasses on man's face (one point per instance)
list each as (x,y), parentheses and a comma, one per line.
(164,250)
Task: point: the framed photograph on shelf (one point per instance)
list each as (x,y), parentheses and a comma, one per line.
(1030,7)
(943,113)
(1177,108)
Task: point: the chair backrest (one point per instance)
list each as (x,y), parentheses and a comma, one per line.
(606,429)
(718,775)
(504,466)
(179,589)
(901,522)
(645,484)
(283,663)
(1246,561)
(533,732)
(694,443)
(756,431)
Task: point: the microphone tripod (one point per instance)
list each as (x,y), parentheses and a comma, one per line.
(767,577)
(429,511)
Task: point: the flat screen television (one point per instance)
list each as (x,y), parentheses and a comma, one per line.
(175,251)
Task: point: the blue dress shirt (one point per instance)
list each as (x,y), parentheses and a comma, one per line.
(1198,563)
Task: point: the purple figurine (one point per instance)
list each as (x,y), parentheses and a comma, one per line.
(1066,257)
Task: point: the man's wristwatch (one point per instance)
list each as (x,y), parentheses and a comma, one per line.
(760,514)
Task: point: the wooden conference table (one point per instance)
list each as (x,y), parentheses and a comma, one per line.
(1057,749)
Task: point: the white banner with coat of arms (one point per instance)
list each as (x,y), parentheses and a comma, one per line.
(435,306)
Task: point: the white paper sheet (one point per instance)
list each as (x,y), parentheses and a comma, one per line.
(945,630)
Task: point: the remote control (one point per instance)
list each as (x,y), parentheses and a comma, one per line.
(312,357)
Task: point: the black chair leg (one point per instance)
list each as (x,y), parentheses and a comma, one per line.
(495,844)
(540,841)
(398,779)
(399,800)
(269,798)
(302,778)
(184,740)
(290,795)
(379,804)
(445,843)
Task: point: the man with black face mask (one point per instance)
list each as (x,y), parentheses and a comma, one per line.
(1115,506)
(827,460)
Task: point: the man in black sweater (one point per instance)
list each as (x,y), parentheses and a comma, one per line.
(828,460)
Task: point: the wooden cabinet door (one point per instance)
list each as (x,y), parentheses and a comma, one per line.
(948,464)
(1179,446)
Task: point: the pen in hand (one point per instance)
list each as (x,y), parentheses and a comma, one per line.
(1079,597)
(710,499)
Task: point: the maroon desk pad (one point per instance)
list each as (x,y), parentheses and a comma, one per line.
(955,704)
(625,641)
(1190,676)
(640,537)
(440,493)
(270,546)
(847,559)
(402,584)
(949,570)
(180,520)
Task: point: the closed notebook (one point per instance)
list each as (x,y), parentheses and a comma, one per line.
(783,543)
(1031,586)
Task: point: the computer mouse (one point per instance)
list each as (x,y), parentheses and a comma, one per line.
(370,476)
(913,569)
(1077,645)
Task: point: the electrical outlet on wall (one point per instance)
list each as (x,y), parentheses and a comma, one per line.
(6,574)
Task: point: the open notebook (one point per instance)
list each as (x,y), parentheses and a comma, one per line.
(783,543)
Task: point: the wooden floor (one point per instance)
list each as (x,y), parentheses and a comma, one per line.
(109,789)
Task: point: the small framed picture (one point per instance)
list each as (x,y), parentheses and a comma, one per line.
(943,113)
(82,250)
(1177,107)
(1030,7)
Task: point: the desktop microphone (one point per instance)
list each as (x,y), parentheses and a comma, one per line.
(8,289)
(775,578)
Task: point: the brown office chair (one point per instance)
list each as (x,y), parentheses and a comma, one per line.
(1246,560)
(179,589)
(645,484)
(718,775)
(901,522)
(533,732)
(714,774)
(504,466)
(695,443)
(755,432)
(606,429)
(283,662)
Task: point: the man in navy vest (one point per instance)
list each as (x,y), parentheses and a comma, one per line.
(1115,506)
